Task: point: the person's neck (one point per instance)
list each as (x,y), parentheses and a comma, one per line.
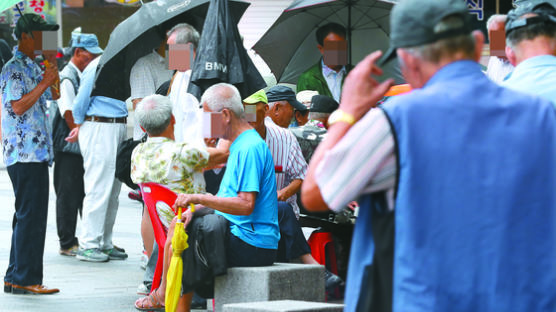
(536,47)
(27,51)
(77,64)
(261,129)
(168,133)
(335,68)
(238,127)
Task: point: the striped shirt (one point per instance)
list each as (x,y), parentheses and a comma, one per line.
(286,153)
(362,162)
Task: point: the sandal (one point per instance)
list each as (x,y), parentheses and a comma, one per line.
(149,303)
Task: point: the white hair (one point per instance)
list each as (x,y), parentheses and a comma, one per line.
(318,115)
(185,33)
(224,95)
(154,113)
(305,96)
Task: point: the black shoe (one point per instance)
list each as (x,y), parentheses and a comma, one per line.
(198,302)
(331,281)
(7,287)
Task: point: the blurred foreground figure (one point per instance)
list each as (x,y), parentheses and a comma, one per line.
(472,164)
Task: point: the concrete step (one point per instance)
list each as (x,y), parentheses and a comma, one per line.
(281,281)
(283,306)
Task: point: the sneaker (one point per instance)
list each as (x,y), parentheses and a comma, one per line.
(115,254)
(91,255)
(144,289)
(70,252)
(144,260)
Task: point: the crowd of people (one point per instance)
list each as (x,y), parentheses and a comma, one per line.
(452,181)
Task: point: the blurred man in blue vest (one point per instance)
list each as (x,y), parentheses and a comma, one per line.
(472,164)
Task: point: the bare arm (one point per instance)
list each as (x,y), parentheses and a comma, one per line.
(218,155)
(68,116)
(289,190)
(241,205)
(28,100)
(361,93)
(310,192)
(135,102)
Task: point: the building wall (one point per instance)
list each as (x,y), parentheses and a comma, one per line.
(258,18)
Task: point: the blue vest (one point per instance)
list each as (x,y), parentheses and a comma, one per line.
(476,198)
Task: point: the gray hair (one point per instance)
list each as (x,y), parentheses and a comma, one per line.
(445,48)
(318,115)
(154,113)
(282,102)
(495,18)
(530,32)
(224,95)
(185,33)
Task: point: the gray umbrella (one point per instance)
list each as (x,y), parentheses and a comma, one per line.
(143,31)
(289,47)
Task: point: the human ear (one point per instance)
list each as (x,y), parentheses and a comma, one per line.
(510,54)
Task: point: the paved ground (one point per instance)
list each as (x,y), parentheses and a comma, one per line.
(84,286)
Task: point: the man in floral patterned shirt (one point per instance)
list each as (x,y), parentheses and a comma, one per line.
(179,166)
(27,154)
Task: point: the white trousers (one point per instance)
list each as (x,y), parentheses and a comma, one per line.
(99,142)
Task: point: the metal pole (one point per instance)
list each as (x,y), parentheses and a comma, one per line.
(349,4)
(497,6)
(59,20)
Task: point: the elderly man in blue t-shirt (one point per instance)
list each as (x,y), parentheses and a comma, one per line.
(247,197)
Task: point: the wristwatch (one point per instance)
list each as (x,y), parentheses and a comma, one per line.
(341,116)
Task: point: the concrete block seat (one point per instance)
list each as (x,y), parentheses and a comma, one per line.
(283,306)
(281,281)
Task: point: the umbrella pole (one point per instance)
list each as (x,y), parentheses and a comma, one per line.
(349,4)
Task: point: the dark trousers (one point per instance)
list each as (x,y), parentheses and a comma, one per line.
(30,184)
(70,191)
(292,244)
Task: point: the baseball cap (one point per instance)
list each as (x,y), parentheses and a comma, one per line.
(544,10)
(415,23)
(323,104)
(257,97)
(29,22)
(88,42)
(283,93)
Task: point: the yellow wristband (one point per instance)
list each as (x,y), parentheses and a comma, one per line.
(341,116)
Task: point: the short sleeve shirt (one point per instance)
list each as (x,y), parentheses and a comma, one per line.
(250,169)
(309,137)
(175,165)
(25,138)
(286,154)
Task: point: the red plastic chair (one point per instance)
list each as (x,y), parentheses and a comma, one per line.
(322,245)
(154,194)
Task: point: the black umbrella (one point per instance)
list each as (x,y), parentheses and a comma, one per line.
(221,56)
(289,46)
(142,32)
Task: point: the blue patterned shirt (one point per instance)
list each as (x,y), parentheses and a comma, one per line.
(25,138)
